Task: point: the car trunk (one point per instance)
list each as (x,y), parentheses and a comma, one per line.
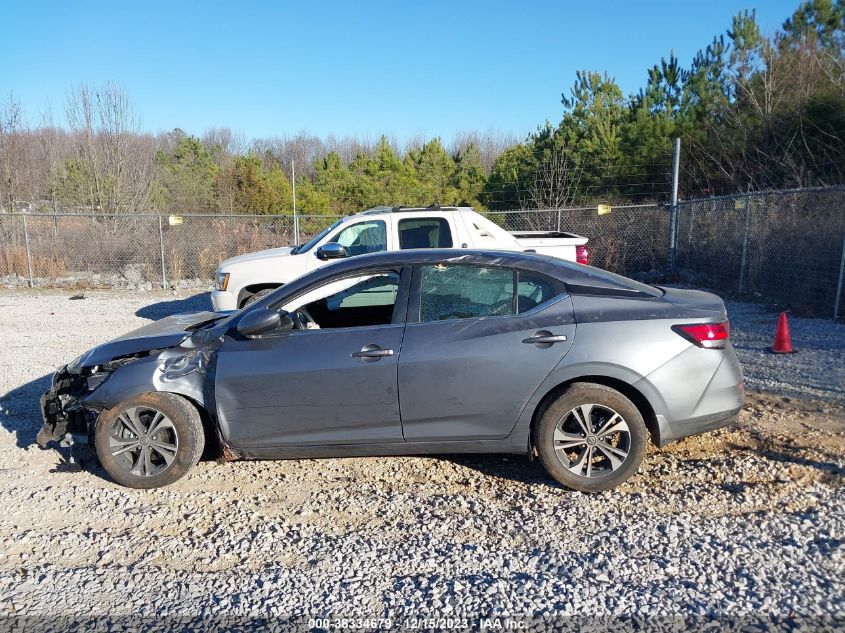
(696,301)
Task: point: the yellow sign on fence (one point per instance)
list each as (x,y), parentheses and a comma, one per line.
(604,209)
(173,220)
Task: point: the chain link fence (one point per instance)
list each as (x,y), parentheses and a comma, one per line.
(788,246)
(784,246)
(630,239)
(129,251)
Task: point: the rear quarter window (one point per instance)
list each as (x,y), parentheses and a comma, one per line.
(534,289)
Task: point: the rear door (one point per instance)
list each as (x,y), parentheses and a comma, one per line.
(479,342)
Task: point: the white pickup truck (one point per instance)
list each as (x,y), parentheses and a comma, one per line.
(246,278)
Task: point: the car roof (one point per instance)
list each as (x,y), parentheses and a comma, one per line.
(570,273)
(447,255)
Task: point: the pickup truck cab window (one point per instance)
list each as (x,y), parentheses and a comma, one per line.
(363,237)
(465,292)
(424,233)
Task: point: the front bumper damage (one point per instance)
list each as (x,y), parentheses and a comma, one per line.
(60,408)
(66,420)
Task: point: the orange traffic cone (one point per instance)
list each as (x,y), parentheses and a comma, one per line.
(783,341)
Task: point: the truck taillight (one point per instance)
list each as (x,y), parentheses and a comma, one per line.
(582,254)
(707,335)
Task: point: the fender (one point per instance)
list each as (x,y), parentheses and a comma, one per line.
(564,373)
(143,376)
(187,370)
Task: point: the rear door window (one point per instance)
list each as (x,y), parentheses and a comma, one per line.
(424,233)
(465,292)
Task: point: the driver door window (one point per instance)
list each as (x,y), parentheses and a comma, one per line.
(363,237)
(349,302)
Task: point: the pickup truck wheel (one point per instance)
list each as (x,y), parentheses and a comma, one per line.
(149,440)
(592,438)
(257,296)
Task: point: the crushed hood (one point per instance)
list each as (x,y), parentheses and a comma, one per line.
(270,253)
(167,332)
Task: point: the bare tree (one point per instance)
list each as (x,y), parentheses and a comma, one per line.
(348,147)
(79,111)
(490,143)
(118,162)
(556,182)
(224,143)
(50,155)
(12,129)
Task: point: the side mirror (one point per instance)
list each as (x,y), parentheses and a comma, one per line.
(258,322)
(332,250)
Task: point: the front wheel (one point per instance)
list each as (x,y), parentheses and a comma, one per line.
(149,440)
(592,438)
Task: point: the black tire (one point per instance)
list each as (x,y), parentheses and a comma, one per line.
(257,296)
(183,436)
(591,467)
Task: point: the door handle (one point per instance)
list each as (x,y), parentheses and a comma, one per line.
(372,352)
(544,338)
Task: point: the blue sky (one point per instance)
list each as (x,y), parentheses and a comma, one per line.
(359,68)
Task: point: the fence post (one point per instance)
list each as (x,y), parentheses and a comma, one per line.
(28,254)
(743,263)
(558,219)
(841,278)
(161,248)
(295,216)
(673,211)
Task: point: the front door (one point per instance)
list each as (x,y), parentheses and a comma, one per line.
(487,337)
(332,380)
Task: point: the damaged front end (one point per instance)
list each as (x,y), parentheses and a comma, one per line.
(63,408)
(173,355)
(60,408)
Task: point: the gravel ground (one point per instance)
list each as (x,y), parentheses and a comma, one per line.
(741,523)
(816,369)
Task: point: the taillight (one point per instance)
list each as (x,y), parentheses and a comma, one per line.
(707,335)
(582,255)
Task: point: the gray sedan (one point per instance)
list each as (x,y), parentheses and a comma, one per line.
(415,352)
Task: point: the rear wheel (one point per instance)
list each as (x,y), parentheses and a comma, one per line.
(149,440)
(591,438)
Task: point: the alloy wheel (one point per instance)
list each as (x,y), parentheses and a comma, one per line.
(143,441)
(592,440)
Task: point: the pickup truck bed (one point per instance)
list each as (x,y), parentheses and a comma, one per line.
(555,243)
